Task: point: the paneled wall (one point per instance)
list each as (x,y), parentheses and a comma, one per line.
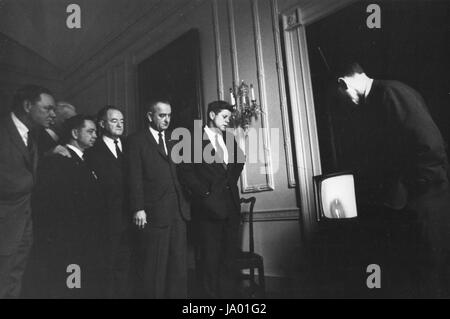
(19,66)
(239,41)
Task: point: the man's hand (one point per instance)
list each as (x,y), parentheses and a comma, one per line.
(140,219)
(61,150)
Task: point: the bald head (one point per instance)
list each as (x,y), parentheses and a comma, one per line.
(63,111)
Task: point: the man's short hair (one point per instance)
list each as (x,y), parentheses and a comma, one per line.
(151,104)
(348,68)
(29,92)
(101,114)
(74,123)
(218,106)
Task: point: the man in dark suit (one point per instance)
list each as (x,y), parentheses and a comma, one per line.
(32,107)
(216,202)
(106,159)
(159,206)
(49,138)
(70,216)
(401,169)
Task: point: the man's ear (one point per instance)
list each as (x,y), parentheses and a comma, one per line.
(149,116)
(212,115)
(342,83)
(102,123)
(26,106)
(74,134)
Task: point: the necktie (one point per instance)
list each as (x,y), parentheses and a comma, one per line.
(30,144)
(31,147)
(161,143)
(118,151)
(219,151)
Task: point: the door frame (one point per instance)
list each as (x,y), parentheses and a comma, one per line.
(304,125)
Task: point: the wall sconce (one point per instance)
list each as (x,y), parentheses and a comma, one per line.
(244,104)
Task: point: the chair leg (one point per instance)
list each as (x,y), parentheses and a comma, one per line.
(252,275)
(261,279)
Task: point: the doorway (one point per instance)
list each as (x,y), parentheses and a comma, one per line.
(411,46)
(173,73)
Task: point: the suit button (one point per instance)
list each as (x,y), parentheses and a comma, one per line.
(228,187)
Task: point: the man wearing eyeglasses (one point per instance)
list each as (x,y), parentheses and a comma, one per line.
(33,108)
(49,138)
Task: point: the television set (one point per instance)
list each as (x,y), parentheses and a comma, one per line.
(335,196)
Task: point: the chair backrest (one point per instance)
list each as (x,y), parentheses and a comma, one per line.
(252,201)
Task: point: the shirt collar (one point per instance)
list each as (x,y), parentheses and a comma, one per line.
(217,141)
(110,141)
(211,133)
(76,150)
(368,87)
(155,133)
(22,128)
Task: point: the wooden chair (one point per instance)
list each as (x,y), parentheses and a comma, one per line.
(250,260)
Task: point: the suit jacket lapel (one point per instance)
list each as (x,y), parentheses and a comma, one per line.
(82,164)
(115,162)
(108,154)
(206,142)
(232,149)
(169,143)
(34,155)
(75,157)
(17,140)
(154,144)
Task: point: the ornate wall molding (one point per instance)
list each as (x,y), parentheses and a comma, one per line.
(26,72)
(219,68)
(313,10)
(303,115)
(269,185)
(245,188)
(119,84)
(283,95)
(274,215)
(233,47)
(295,21)
(89,57)
(133,35)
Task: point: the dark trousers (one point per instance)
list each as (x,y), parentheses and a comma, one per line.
(218,243)
(76,246)
(118,263)
(12,267)
(56,276)
(163,260)
(394,240)
(434,209)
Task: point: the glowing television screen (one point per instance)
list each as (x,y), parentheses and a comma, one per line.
(335,195)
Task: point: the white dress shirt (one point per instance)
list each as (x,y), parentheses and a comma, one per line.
(155,134)
(217,138)
(111,145)
(368,87)
(77,151)
(22,128)
(53,135)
